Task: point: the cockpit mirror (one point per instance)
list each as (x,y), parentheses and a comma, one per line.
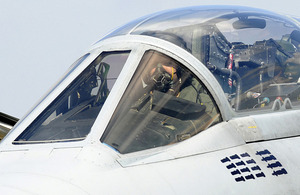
(249,23)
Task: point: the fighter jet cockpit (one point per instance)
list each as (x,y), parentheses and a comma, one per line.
(253,55)
(199,100)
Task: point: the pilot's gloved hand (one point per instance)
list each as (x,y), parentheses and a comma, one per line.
(292,70)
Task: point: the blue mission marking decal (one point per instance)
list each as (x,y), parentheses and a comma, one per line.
(272,162)
(244,168)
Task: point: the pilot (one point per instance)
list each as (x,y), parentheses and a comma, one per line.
(170,78)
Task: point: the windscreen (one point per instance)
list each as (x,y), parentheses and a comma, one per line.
(71,115)
(165,103)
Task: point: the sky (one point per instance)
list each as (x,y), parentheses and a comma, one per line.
(40,39)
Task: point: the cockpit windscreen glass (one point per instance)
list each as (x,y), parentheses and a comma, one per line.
(164,104)
(71,115)
(253,54)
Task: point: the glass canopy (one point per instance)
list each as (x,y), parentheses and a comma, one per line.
(253,53)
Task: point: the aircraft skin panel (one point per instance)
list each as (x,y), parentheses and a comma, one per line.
(268,126)
(247,128)
(32,183)
(195,175)
(279,125)
(240,172)
(257,166)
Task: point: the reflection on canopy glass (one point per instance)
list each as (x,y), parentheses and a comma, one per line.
(163,104)
(71,115)
(254,54)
